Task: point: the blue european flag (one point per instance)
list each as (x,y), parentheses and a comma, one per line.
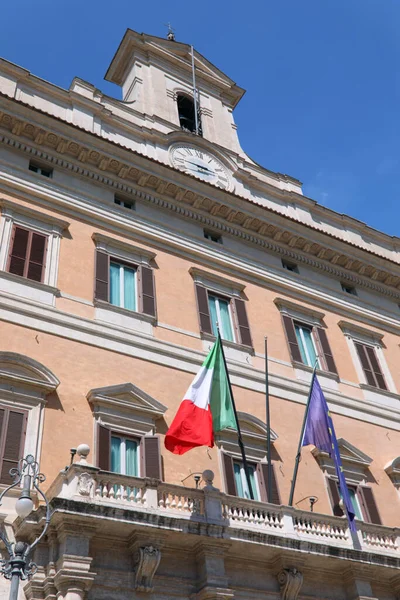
(319,431)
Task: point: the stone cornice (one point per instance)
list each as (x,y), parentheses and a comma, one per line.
(213,212)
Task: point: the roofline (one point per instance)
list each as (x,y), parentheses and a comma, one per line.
(300,197)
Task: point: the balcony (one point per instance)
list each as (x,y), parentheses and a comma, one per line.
(89,491)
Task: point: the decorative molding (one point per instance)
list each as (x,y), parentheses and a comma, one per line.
(392,469)
(290,582)
(129,252)
(9,207)
(85,485)
(356,331)
(126,396)
(147,562)
(18,369)
(215,282)
(298,310)
(235,220)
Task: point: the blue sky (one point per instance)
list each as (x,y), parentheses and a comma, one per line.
(322,79)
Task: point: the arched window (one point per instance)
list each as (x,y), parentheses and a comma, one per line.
(187,114)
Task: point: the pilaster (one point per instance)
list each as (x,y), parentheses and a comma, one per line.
(212,581)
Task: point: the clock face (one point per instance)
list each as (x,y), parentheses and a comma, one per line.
(200,163)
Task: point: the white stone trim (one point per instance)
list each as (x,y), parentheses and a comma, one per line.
(125,409)
(372,340)
(303,314)
(34,315)
(123,318)
(14,214)
(217,284)
(81,208)
(24,385)
(123,250)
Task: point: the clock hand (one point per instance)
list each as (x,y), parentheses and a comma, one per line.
(200,166)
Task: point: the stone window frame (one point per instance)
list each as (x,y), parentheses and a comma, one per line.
(355,333)
(53,228)
(24,385)
(254,433)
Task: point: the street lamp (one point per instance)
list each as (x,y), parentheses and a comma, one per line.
(17,566)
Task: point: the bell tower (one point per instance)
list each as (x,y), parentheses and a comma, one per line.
(156,77)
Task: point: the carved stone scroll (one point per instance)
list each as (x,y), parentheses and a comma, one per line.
(290,581)
(148,560)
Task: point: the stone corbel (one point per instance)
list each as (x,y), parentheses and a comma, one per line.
(290,582)
(148,559)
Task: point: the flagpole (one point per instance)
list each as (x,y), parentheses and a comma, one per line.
(269,460)
(298,455)
(240,441)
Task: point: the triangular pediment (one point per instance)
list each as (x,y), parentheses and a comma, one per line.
(126,396)
(176,54)
(348,453)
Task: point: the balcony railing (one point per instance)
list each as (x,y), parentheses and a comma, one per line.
(85,483)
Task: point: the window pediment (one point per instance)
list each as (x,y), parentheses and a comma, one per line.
(126,397)
(355,462)
(26,372)
(254,434)
(392,468)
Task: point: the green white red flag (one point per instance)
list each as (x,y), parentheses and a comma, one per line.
(206,408)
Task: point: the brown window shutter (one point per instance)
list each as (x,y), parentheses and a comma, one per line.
(291,338)
(376,367)
(37,257)
(14,430)
(152,456)
(369,505)
(365,363)
(229,475)
(203,309)
(326,349)
(147,293)
(335,497)
(104,448)
(243,323)
(262,472)
(102,276)
(19,247)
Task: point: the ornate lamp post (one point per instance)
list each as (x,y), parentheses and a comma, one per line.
(18,565)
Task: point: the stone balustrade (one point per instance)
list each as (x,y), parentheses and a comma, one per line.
(84,483)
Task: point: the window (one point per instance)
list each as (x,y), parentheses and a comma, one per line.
(370,365)
(187,115)
(125,285)
(307,346)
(362,498)
(121,454)
(122,285)
(349,289)
(125,203)
(213,237)
(27,253)
(124,455)
(40,169)
(242,488)
(12,440)
(24,388)
(236,481)
(230,313)
(289,266)
(125,439)
(220,317)
(306,342)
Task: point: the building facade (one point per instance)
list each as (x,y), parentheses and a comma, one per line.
(128,228)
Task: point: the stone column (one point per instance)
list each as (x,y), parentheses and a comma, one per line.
(212,582)
(73,577)
(358,583)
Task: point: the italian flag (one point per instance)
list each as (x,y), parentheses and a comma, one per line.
(206,408)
